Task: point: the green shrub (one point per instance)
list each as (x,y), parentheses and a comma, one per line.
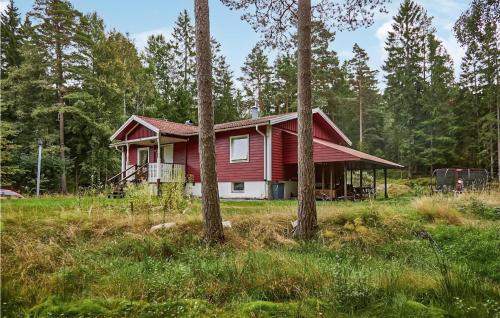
(481,210)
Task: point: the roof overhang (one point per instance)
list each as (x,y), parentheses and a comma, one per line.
(355,155)
(362,156)
(138,120)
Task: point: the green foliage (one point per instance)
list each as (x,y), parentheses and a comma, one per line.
(257,81)
(477,31)
(224,93)
(173,197)
(479,249)
(11,38)
(60,259)
(405,72)
(481,210)
(54,307)
(369,107)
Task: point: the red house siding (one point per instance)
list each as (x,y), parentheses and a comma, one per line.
(193,159)
(321,153)
(277,169)
(253,170)
(132,153)
(180,152)
(284,151)
(321,129)
(140,132)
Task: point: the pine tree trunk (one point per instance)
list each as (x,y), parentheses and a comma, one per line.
(492,151)
(360,102)
(498,139)
(212,222)
(60,101)
(307,219)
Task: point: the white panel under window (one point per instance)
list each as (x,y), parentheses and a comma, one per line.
(239,148)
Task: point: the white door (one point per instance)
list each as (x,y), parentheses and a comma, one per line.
(142,156)
(167,153)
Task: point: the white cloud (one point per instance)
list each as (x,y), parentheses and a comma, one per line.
(454,50)
(141,38)
(381,35)
(383,30)
(344,54)
(3,5)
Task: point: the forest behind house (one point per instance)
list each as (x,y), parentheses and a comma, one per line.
(69,82)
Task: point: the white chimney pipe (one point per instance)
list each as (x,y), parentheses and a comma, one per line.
(254,112)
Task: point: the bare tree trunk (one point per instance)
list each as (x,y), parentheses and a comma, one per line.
(212,221)
(60,101)
(307,219)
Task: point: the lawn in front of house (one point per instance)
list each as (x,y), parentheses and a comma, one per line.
(69,256)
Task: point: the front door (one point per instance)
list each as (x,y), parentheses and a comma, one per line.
(142,156)
(167,153)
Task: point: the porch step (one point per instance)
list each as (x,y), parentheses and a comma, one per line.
(117,194)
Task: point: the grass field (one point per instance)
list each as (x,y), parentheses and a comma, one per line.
(404,257)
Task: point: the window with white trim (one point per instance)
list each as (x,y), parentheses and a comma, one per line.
(239,148)
(238,187)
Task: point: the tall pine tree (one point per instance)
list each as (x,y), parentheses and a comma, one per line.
(11,38)
(184,73)
(56,34)
(477,30)
(437,127)
(405,74)
(257,80)
(364,84)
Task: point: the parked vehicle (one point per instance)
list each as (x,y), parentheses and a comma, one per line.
(9,194)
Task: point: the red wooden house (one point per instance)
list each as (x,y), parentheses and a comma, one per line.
(256,158)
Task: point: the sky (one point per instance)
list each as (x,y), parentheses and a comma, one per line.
(142,18)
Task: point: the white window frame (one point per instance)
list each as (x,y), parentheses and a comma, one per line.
(237,191)
(139,154)
(231,148)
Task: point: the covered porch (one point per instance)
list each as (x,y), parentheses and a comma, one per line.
(349,180)
(346,180)
(341,173)
(152,159)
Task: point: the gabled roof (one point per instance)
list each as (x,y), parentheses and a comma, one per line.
(130,122)
(162,126)
(289,116)
(169,127)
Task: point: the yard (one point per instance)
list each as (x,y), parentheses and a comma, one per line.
(408,256)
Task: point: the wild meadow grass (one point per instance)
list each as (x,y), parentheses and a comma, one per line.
(428,256)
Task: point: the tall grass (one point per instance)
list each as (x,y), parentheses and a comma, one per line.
(60,260)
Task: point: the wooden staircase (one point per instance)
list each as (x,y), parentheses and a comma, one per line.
(118,183)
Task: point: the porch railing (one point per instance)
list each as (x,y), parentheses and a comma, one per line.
(169,172)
